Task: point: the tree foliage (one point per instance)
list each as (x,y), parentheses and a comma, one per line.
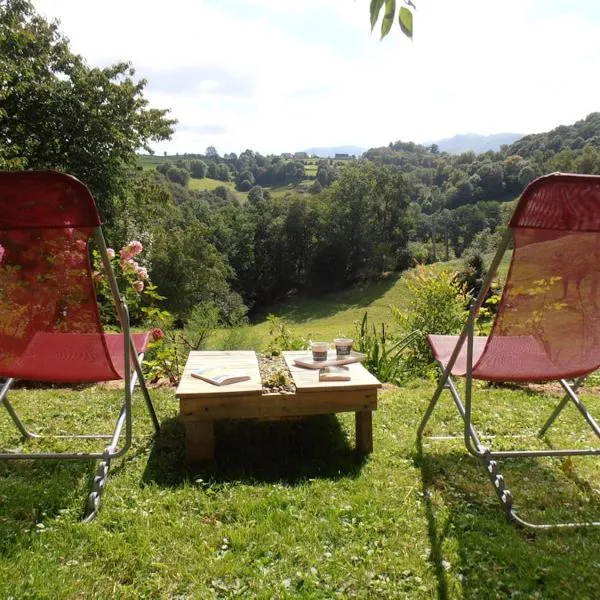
(59,113)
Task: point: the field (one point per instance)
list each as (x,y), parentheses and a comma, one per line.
(211,184)
(151,161)
(334,315)
(288,510)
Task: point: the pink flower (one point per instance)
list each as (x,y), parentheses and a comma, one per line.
(130,250)
(138,286)
(135,247)
(81,245)
(111,253)
(98,276)
(157,334)
(128,265)
(141,272)
(125,254)
(2,252)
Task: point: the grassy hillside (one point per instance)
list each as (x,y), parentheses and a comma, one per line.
(333,315)
(150,161)
(207,184)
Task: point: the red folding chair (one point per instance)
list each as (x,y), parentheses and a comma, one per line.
(50,329)
(546,327)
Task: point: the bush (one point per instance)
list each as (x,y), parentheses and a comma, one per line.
(281,337)
(169,347)
(437,305)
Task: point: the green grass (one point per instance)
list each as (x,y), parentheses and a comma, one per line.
(207,184)
(290,511)
(333,315)
(279,191)
(150,161)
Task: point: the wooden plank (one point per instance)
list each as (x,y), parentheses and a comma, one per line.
(308,379)
(277,405)
(239,360)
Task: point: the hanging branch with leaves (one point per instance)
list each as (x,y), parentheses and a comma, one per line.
(405,16)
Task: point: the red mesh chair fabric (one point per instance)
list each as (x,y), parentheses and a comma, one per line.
(50,328)
(547,326)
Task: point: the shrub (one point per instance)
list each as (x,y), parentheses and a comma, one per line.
(170,346)
(240,338)
(132,279)
(437,305)
(281,337)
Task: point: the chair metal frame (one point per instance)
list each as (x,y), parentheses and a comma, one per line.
(132,374)
(488,457)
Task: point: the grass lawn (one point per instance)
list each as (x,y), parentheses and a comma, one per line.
(151,161)
(290,511)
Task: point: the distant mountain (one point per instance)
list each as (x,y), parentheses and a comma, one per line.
(333,150)
(475,142)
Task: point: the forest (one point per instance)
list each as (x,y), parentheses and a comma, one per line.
(240,246)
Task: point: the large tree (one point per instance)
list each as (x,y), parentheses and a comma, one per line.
(57,112)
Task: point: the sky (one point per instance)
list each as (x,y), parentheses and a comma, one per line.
(286,75)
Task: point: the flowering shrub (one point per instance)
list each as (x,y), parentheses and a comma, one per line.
(168,347)
(132,279)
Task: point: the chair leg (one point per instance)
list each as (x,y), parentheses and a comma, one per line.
(100,481)
(487,457)
(431,406)
(144,388)
(570,390)
(11,411)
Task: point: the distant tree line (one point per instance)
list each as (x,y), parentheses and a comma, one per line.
(247,170)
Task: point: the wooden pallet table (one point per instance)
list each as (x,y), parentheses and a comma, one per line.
(202,403)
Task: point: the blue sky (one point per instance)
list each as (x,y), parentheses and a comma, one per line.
(284,75)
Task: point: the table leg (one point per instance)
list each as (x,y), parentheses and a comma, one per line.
(364,431)
(199,441)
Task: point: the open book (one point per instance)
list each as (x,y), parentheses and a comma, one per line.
(334,373)
(219,375)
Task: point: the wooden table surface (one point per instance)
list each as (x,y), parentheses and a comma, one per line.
(308,379)
(245,361)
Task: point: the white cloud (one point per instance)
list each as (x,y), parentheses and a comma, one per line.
(276,75)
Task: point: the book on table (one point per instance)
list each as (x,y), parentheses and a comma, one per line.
(334,373)
(220,375)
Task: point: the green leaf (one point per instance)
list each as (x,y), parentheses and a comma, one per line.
(374,9)
(388,17)
(405,19)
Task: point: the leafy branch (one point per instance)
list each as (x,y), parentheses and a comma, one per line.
(405,16)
